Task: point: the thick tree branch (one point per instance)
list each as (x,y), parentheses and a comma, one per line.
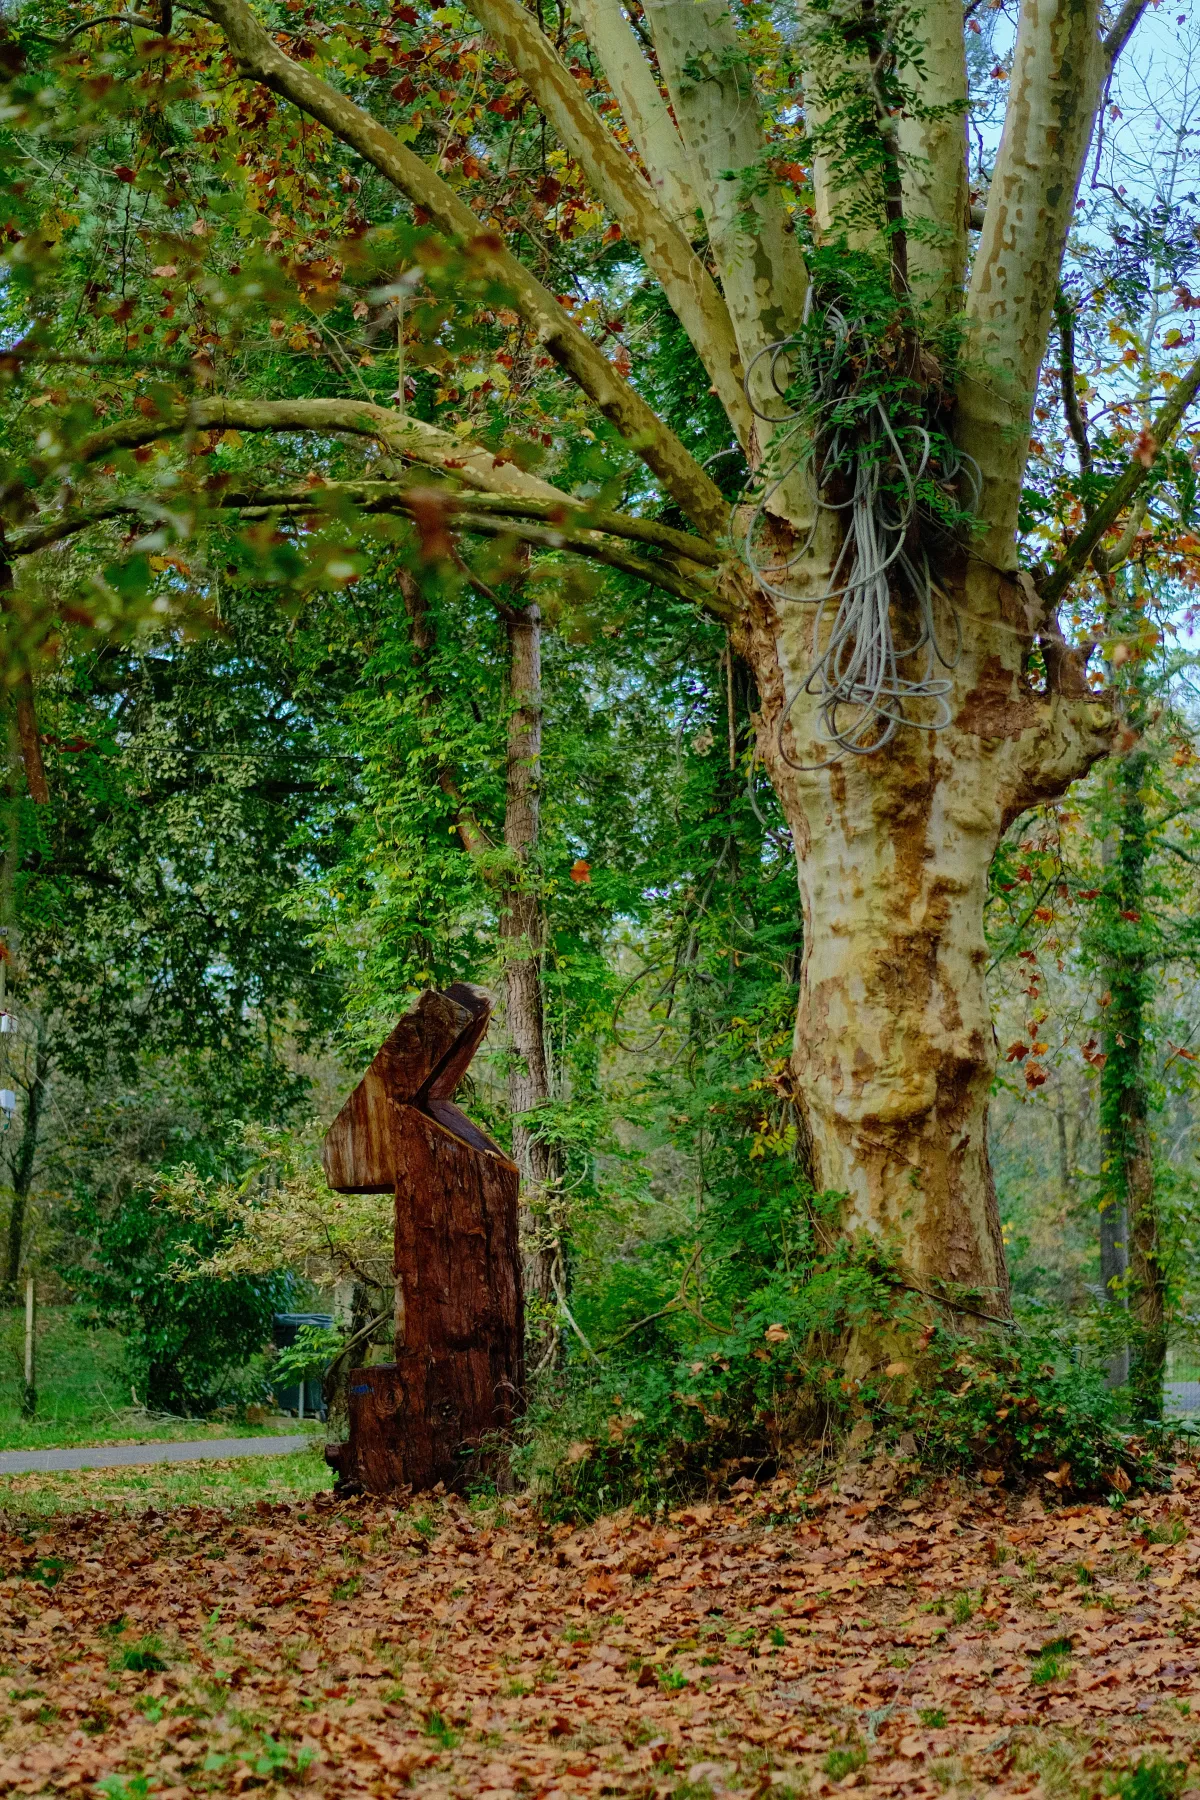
(260,58)
(933,161)
(707,73)
(616,47)
(1054,92)
(690,290)
(402,436)
(381,496)
(551,525)
(1106,514)
(1123,28)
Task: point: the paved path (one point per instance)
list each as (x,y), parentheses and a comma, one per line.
(126,1456)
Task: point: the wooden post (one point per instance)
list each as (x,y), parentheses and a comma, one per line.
(29,1398)
(457,1381)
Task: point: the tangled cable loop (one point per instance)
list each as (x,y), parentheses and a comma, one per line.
(863,695)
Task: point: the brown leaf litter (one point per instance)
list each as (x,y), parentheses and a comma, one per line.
(964,1641)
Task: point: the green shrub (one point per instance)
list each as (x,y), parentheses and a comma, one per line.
(1150,1779)
(192,1345)
(844,1760)
(1027,1403)
(696,1408)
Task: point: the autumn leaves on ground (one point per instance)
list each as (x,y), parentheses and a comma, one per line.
(957,1641)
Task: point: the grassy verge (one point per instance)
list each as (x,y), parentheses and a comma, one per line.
(133,1426)
(30,1499)
(84,1395)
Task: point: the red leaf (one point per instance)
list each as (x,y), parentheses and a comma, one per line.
(428,511)
(1145,448)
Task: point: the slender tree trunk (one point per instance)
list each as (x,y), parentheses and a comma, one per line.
(521,928)
(1128,1152)
(522,938)
(25,1157)
(25,709)
(1114,1270)
(1066,1175)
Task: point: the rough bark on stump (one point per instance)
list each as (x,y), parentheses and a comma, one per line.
(459,1372)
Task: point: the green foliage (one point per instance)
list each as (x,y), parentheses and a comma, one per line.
(1024,1404)
(843,1760)
(188,1342)
(309,1356)
(1150,1778)
(436,1727)
(144,1657)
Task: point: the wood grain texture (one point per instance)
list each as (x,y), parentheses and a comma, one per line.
(421,1062)
(440,1411)
(423,1420)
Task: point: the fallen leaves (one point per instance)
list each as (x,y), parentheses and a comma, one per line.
(355,1648)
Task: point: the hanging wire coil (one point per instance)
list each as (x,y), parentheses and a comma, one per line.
(863,693)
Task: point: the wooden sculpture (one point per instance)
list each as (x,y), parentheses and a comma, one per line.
(459,1372)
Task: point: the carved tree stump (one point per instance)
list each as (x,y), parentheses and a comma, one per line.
(458,1377)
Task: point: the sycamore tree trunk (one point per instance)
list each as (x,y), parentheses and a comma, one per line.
(894,1050)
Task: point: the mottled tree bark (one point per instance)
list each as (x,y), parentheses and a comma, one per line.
(894,1050)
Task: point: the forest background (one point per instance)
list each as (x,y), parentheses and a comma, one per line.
(271,774)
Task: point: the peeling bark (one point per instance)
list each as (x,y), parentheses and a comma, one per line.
(708,77)
(645,111)
(933,165)
(686,283)
(1054,91)
(894,1051)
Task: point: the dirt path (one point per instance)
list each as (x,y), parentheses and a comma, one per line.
(963,1643)
(128,1456)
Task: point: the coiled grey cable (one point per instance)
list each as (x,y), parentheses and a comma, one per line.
(857,671)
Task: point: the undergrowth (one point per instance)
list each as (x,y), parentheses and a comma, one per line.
(706,1405)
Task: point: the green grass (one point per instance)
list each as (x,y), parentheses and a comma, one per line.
(31,1498)
(83,1390)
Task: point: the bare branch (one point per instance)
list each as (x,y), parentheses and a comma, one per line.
(1072,411)
(1123,28)
(1163,428)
